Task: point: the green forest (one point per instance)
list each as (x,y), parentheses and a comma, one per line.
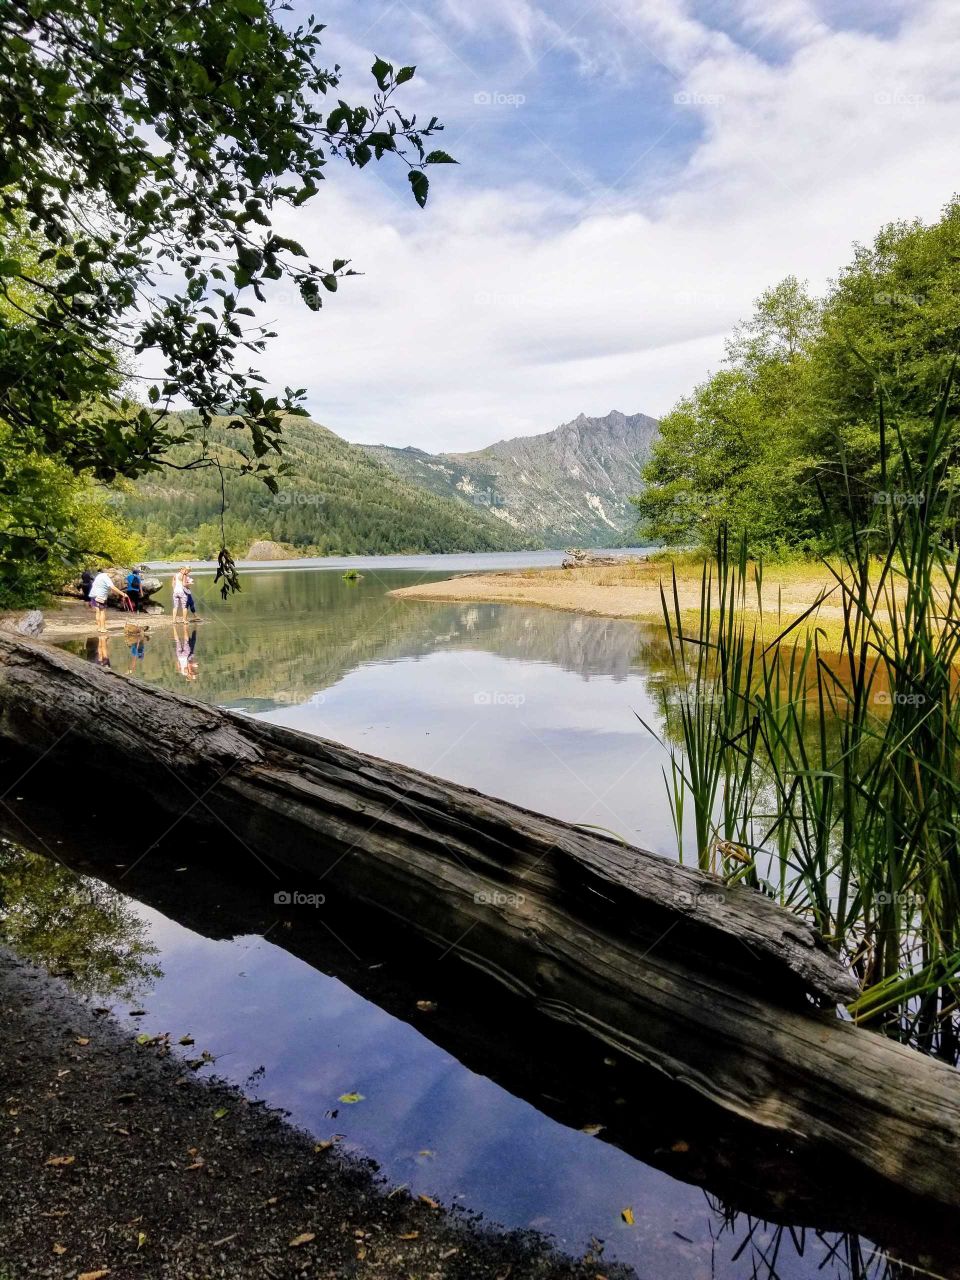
(332,499)
(775,443)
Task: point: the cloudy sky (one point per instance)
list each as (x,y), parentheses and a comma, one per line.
(633,173)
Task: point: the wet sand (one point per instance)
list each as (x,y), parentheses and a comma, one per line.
(75,620)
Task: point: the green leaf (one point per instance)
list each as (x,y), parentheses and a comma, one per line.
(291,246)
(350,1097)
(420,184)
(382,71)
(440,157)
(405,74)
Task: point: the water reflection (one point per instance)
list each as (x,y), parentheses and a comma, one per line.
(185,647)
(292,634)
(532,705)
(478,1101)
(75,926)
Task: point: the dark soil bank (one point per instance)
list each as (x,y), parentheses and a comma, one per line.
(118,1161)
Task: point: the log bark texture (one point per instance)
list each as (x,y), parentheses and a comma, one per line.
(711,985)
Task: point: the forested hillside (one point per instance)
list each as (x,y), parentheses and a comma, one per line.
(334,500)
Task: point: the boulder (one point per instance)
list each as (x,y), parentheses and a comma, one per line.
(150,584)
(28,624)
(263,549)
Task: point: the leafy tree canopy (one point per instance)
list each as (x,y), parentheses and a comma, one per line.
(146,147)
(790,430)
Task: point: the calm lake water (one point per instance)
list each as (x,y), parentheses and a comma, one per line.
(542,708)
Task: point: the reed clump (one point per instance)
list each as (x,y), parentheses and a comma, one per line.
(830,778)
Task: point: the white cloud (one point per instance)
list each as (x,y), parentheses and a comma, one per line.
(504,311)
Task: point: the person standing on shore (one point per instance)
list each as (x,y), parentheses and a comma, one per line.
(188,584)
(135,588)
(181,592)
(101,589)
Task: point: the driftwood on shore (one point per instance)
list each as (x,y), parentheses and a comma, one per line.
(711,985)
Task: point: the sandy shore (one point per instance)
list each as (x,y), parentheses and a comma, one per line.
(633,591)
(72,620)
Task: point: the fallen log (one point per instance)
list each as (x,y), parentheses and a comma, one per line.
(565,1073)
(712,985)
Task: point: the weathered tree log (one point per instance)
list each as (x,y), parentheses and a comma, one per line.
(708,984)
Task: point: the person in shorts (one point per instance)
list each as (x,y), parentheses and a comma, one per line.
(101,589)
(181,592)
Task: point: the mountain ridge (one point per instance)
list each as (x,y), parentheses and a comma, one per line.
(571,483)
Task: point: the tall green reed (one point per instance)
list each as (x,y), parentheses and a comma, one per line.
(831,778)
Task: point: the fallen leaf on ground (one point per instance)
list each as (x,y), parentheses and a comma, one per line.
(448,1253)
(304,1238)
(427,1006)
(429,1201)
(141,1239)
(186,1040)
(94,1275)
(593,1129)
(220,1113)
(143,1038)
(197,1164)
(627,1216)
(350,1097)
(61,1160)
(82,1040)
(64,1072)
(680,1146)
(408,1235)
(59,1249)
